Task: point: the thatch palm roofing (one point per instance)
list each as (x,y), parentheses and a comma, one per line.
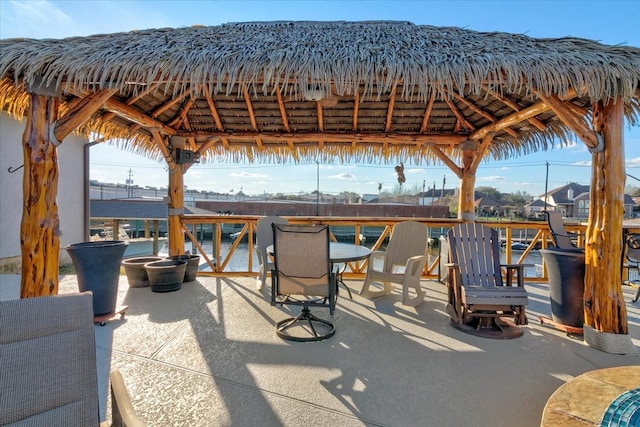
(352,91)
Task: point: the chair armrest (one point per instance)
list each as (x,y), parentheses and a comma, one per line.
(519,268)
(414,263)
(122,412)
(376,255)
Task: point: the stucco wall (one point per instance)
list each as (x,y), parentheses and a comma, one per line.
(70,191)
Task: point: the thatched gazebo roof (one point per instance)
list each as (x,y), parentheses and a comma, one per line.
(349,91)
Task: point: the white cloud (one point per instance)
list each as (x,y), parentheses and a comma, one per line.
(632,163)
(492,178)
(582,163)
(248,175)
(343,176)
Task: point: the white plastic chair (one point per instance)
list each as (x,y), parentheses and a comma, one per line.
(402,262)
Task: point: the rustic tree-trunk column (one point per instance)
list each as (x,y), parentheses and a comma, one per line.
(466,198)
(176,209)
(605,309)
(40,227)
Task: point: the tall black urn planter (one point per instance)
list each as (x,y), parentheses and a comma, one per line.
(97,266)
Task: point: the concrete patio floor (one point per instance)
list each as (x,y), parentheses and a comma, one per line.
(208,355)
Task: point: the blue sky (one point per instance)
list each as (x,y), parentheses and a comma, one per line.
(609,22)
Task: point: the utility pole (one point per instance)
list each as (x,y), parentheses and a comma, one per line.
(444,180)
(424,195)
(129,182)
(546,185)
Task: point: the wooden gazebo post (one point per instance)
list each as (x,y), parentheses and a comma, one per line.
(605,311)
(40,226)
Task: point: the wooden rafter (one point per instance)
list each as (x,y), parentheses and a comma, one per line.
(181,118)
(320,116)
(392,102)
(473,107)
(461,119)
(283,110)
(573,121)
(137,117)
(173,101)
(427,112)
(509,103)
(81,112)
(133,100)
(247,101)
(517,117)
(214,111)
(356,107)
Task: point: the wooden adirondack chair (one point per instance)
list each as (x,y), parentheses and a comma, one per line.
(478,298)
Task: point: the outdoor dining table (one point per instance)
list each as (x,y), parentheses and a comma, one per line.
(341,252)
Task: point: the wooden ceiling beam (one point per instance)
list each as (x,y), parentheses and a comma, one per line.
(392,103)
(81,112)
(393,138)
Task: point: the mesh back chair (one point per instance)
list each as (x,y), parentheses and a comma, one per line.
(402,262)
(633,263)
(302,276)
(48,369)
(264,238)
(478,296)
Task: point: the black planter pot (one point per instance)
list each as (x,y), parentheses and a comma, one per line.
(566,285)
(166,275)
(136,272)
(193,261)
(97,266)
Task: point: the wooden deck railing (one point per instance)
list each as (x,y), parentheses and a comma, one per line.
(535,234)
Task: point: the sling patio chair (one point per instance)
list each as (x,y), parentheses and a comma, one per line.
(48,359)
(264,238)
(402,262)
(561,238)
(478,298)
(303,276)
(633,263)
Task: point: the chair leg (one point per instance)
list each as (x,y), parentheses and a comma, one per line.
(412,282)
(637,295)
(367,293)
(305,315)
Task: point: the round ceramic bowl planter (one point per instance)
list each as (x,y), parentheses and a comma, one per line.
(166,275)
(192,266)
(136,272)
